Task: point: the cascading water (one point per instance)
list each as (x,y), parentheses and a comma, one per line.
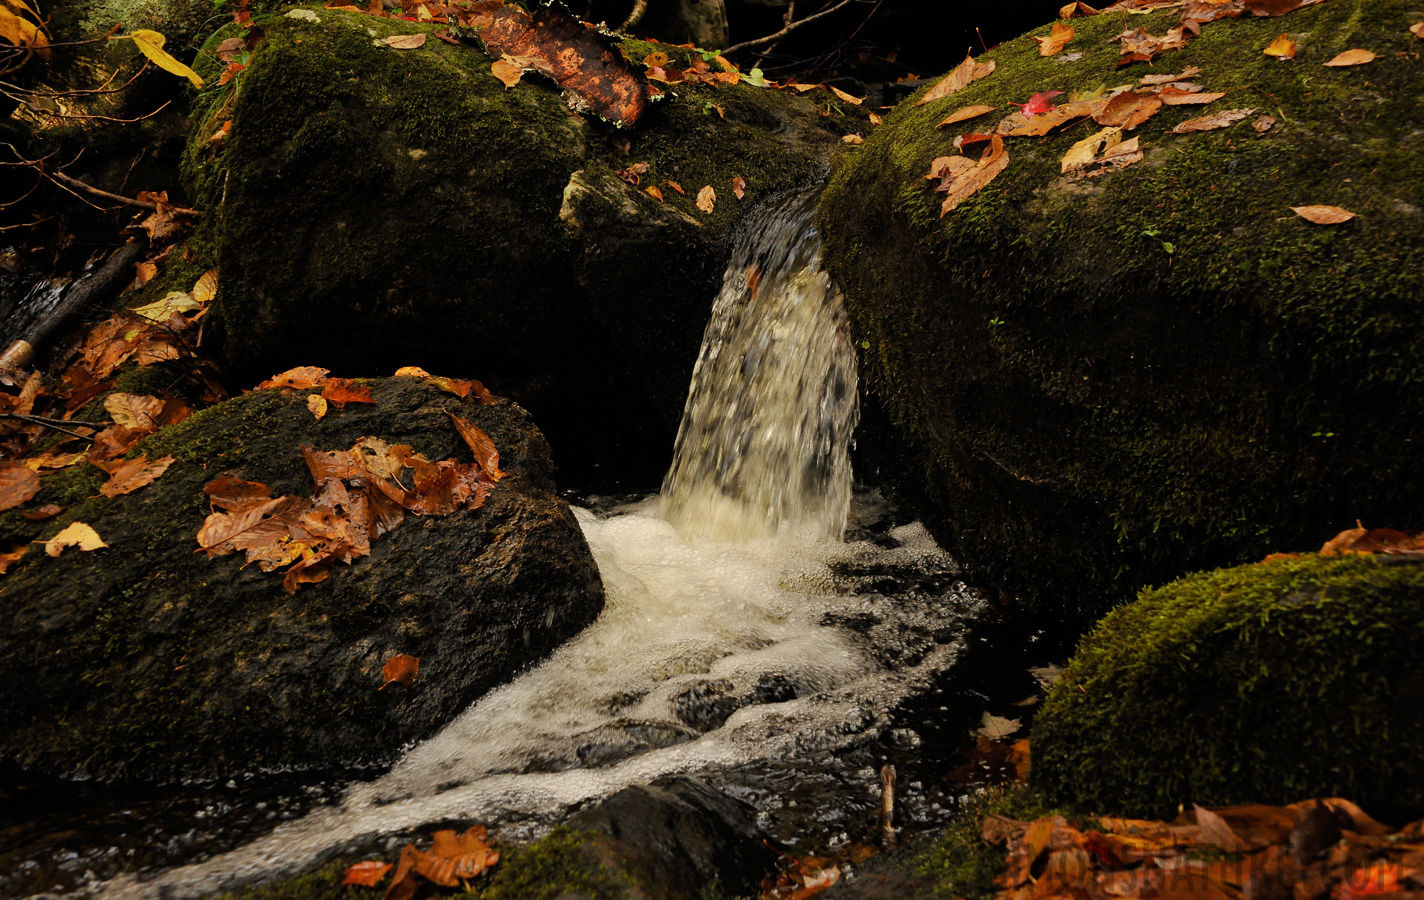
(764,442)
(740,630)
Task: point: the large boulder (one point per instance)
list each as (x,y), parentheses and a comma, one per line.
(1109,381)
(148,659)
(1264,683)
(372,205)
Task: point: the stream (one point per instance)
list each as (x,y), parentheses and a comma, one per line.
(770,627)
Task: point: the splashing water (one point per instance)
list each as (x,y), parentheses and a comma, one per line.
(764,443)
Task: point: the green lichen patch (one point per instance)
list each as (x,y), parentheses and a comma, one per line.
(1112,381)
(1269,683)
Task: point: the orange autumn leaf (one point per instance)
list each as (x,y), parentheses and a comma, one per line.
(129,475)
(853,139)
(706,199)
(18,483)
(39,513)
(480,445)
(976,177)
(8,558)
(739,186)
(366,874)
(507,72)
(346,390)
(964,74)
(461,387)
(965,113)
(1352,58)
(138,411)
(400,669)
(849,98)
(455,857)
(78,534)
(652,191)
(1056,40)
(675,186)
(300,378)
(1077,8)
(230,494)
(317,405)
(1281,48)
(412,371)
(1417,29)
(1323,215)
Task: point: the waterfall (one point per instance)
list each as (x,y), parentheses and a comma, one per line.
(764,444)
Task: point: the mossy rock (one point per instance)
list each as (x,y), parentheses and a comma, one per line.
(1270,683)
(151,660)
(1113,381)
(375,207)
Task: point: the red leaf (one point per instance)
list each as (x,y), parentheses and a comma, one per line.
(400,669)
(366,874)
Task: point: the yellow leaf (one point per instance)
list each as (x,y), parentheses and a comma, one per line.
(21,32)
(1086,150)
(207,287)
(159,310)
(76,535)
(507,72)
(1281,48)
(1323,215)
(854,101)
(150,44)
(1056,40)
(316,403)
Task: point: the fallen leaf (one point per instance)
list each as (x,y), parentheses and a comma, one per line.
(366,874)
(994,161)
(852,100)
(706,199)
(18,483)
(456,857)
(1176,97)
(116,440)
(1213,121)
(1077,8)
(875,119)
(653,191)
(965,113)
(1183,75)
(412,371)
(964,74)
(507,72)
(400,669)
(316,403)
(675,186)
(1363,540)
(1281,48)
(1038,104)
(1263,123)
(1276,7)
(1056,40)
(1085,151)
(739,187)
(346,390)
(78,535)
(1352,58)
(1418,30)
(1216,832)
(404,41)
(480,445)
(1128,110)
(300,378)
(131,474)
(1323,215)
(138,411)
(150,44)
(40,513)
(161,311)
(9,558)
(144,272)
(231,494)
(852,139)
(996,728)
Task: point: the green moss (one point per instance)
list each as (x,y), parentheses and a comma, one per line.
(1092,413)
(963,864)
(561,864)
(1265,683)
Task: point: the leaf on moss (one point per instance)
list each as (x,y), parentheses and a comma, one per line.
(1086,150)
(400,669)
(971,180)
(137,411)
(10,557)
(366,874)
(1056,40)
(317,405)
(1128,110)
(1266,8)
(301,378)
(78,534)
(849,98)
(1215,120)
(1281,48)
(739,187)
(230,494)
(1174,96)
(706,199)
(507,72)
(964,74)
(1077,8)
(1361,540)
(129,475)
(1417,29)
(653,191)
(346,390)
(1323,215)
(965,113)
(40,513)
(1352,58)
(404,41)
(18,484)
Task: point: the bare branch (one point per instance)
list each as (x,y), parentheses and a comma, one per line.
(640,8)
(126,201)
(790,27)
(47,423)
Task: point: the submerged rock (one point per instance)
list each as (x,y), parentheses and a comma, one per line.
(1109,381)
(151,660)
(405,207)
(1265,683)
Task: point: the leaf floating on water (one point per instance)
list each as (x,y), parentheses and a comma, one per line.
(1323,215)
(400,669)
(78,535)
(965,113)
(964,74)
(1352,58)
(404,41)
(996,728)
(1281,48)
(18,484)
(366,874)
(1056,40)
(1213,121)
(706,199)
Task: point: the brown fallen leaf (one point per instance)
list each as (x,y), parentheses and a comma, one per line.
(346,390)
(964,74)
(8,558)
(1213,121)
(675,186)
(138,411)
(852,139)
(965,113)
(115,441)
(706,199)
(404,41)
(1178,97)
(480,445)
(1216,832)
(53,460)
(1263,123)
(144,272)
(300,378)
(739,187)
(18,483)
(400,669)
(1128,110)
(366,874)
(317,405)
(1361,540)
(1281,48)
(994,161)
(1077,8)
(1418,30)
(1183,75)
(412,371)
(653,191)
(1352,58)
(1323,215)
(230,494)
(507,72)
(875,119)
(78,535)
(129,475)
(849,98)
(1056,40)
(39,513)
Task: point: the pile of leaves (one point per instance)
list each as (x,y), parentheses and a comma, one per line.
(1362,541)
(1305,851)
(453,860)
(358,494)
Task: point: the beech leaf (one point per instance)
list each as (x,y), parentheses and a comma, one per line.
(412,371)
(964,74)
(346,390)
(18,483)
(40,513)
(300,378)
(1323,215)
(1281,48)
(317,405)
(150,44)
(78,535)
(137,411)
(404,41)
(739,187)
(131,474)
(1056,40)
(1352,58)
(507,72)
(706,199)
(400,669)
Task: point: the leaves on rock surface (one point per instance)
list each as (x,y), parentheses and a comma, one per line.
(965,113)
(1281,48)
(78,535)
(1362,540)
(346,390)
(706,199)
(129,475)
(1056,40)
(137,411)
(366,874)
(453,858)
(317,405)
(480,445)
(18,484)
(739,186)
(1077,8)
(1211,122)
(404,41)
(10,557)
(964,74)
(1352,58)
(969,179)
(301,378)
(48,511)
(400,669)
(1323,215)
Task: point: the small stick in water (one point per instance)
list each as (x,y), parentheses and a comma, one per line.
(887,804)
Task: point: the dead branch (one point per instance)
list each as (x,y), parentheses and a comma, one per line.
(790,27)
(640,8)
(56,424)
(117,198)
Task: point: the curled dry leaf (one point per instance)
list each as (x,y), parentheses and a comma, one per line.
(653,191)
(400,669)
(706,199)
(150,44)
(853,139)
(366,874)
(346,390)
(1281,48)
(78,535)
(739,187)
(875,119)
(1128,110)
(1352,58)
(1077,8)
(300,378)
(404,41)
(1213,121)
(1183,75)
(964,74)
(131,474)
(18,483)
(317,405)
(965,113)
(9,557)
(1056,40)
(675,186)
(1323,215)
(412,372)
(849,98)
(40,513)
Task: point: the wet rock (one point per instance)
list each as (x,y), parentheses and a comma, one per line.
(150,660)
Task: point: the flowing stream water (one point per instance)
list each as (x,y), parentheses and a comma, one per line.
(762,617)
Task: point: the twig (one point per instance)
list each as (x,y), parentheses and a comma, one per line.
(47,423)
(887,804)
(640,8)
(785,31)
(127,201)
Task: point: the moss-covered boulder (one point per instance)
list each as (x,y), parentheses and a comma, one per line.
(1271,683)
(1111,381)
(148,659)
(393,207)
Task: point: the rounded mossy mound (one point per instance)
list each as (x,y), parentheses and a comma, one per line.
(148,659)
(1110,381)
(372,206)
(1271,683)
